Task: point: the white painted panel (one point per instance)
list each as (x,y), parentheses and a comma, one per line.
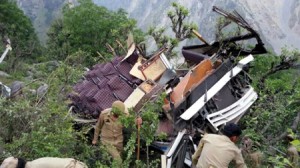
(193,109)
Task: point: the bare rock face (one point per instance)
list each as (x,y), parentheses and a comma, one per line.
(278,22)
(294,20)
(41,13)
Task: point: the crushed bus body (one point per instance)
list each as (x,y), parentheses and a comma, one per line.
(214,90)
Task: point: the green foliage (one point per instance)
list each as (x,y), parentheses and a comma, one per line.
(226,28)
(17,118)
(157,34)
(89,27)
(180,28)
(274,114)
(18,28)
(280,162)
(153,163)
(296,143)
(130,149)
(149,115)
(38,127)
(177,16)
(272,72)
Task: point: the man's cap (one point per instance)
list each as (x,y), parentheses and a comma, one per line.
(232,129)
(120,106)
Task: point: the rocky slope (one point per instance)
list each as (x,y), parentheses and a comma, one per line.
(278,21)
(41,13)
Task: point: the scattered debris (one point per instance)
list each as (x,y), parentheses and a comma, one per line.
(5,91)
(213,90)
(8,48)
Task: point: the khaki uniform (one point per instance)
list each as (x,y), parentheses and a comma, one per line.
(45,162)
(217,151)
(111,133)
(49,162)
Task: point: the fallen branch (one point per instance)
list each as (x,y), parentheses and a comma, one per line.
(285,63)
(293,127)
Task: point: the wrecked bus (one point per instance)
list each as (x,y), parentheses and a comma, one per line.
(214,90)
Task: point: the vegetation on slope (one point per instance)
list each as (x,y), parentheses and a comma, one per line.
(14,25)
(89,28)
(37,125)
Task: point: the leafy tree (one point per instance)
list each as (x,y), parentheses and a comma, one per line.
(88,27)
(14,25)
(276,113)
(226,28)
(180,28)
(149,114)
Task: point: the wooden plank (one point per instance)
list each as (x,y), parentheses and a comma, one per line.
(135,70)
(134,98)
(192,79)
(154,69)
(198,74)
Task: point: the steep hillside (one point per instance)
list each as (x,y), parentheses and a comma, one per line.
(294,19)
(277,20)
(41,13)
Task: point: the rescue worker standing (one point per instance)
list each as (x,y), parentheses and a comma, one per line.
(217,151)
(111,129)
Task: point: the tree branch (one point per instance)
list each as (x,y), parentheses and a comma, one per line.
(293,127)
(284,64)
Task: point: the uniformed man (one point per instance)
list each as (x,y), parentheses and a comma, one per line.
(44,162)
(111,129)
(217,151)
